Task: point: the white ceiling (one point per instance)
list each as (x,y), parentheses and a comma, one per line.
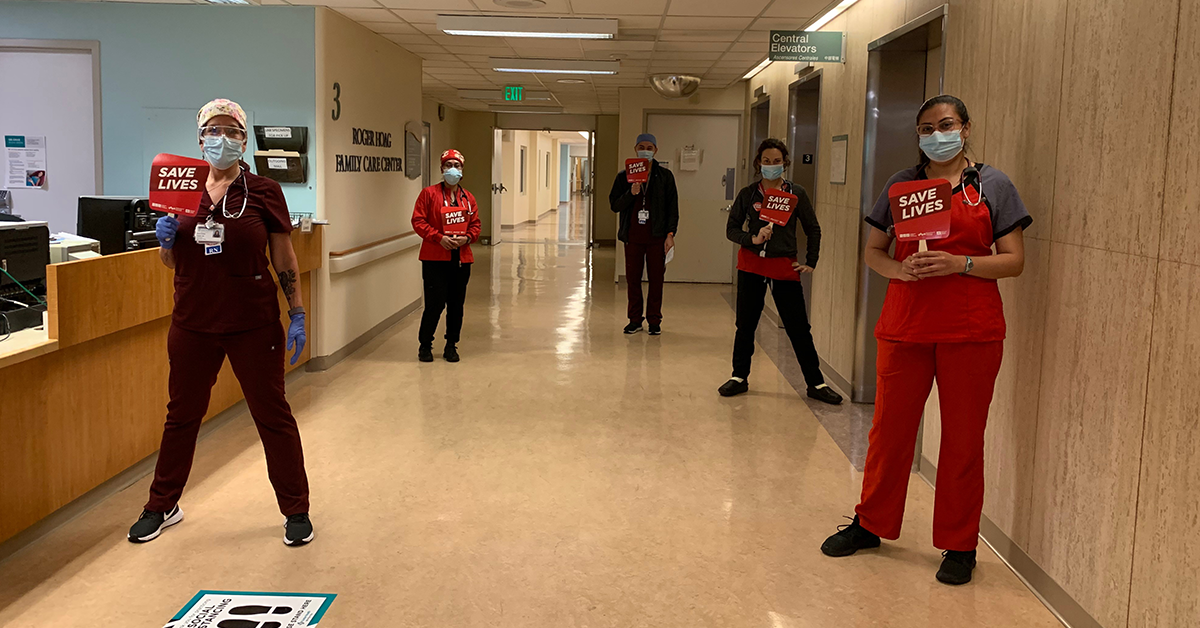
(717,40)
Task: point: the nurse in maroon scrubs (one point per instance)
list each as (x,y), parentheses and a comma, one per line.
(942,319)
(226,305)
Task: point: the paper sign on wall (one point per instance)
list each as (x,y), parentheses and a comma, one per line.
(177,184)
(25,161)
(777,207)
(454,221)
(921,209)
(238,609)
(637,170)
(689,159)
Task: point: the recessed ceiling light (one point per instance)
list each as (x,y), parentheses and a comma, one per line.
(555,66)
(539,27)
(829,15)
(572,81)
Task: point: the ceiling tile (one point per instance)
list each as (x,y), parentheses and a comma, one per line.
(552,6)
(417,17)
(744,56)
(776,24)
(443,6)
(369,15)
(804,9)
(616,45)
(708,23)
(339,4)
(638,21)
(391,28)
(698,56)
(610,8)
(688,46)
(759,46)
(747,8)
(672,35)
(406,39)
(425,48)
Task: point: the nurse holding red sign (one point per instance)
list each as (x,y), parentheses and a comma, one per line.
(764,220)
(942,319)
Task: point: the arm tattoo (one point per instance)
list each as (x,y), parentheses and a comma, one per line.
(287,281)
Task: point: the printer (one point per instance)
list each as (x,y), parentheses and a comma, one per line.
(68,247)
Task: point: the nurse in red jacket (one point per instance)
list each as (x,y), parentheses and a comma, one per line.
(226,306)
(447,219)
(942,318)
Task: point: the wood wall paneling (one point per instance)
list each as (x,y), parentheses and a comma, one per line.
(1166,556)
(1023,100)
(1011,438)
(1179,242)
(1119,62)
(968,61)
(1089,426)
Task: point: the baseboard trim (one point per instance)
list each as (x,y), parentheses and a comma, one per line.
(324,363)
(605,242)
(119,482)
(1064,607)
(839,382)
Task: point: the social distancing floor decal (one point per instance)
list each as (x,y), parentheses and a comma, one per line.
(242,609)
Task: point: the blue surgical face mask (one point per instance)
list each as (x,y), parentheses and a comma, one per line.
(222,152)
(452,176)
(942,147)
(772,173)
(645,154)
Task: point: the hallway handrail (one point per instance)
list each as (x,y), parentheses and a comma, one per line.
(363,247)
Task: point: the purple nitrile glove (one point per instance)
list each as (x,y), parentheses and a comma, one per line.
(165,230)
(296,336)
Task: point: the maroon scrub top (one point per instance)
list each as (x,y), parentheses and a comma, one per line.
(232,291)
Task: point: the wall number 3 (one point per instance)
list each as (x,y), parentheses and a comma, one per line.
(337,100)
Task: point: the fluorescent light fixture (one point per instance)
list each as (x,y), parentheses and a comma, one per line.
(830,14)
(537,27)
(555,66)
(235,2)
(498,94)
(523,109)
(758,68)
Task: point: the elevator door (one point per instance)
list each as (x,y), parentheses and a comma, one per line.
(902,67)
(804,123)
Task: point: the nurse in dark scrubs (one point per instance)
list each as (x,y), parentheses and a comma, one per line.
(226,305)
(942,319)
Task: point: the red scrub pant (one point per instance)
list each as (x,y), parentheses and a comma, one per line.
(966,376)
(257,360)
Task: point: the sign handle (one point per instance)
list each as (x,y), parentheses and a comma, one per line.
(922,247)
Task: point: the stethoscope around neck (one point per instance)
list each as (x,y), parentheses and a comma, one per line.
(245,198)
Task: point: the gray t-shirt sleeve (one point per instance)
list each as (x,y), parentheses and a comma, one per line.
(881,214)
(1004,203)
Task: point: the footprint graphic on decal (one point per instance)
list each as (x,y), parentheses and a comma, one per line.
(261,610)
(246,623)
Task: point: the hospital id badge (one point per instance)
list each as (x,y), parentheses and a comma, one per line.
(210,233)
(643,216)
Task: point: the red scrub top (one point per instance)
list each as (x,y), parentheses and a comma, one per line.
(231,291)
(954,308)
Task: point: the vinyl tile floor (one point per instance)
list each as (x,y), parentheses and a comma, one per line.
(562,475)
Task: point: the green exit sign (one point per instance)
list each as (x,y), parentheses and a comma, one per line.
(514,94)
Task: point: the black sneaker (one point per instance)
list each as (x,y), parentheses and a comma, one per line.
(451,353)
(425,353)
(151,524)
(956,567)
(298,530)
(733,387)
(655,329)
(849,539)
(633,328)
(824,393)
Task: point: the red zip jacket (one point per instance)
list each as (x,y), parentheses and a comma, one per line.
(427,222)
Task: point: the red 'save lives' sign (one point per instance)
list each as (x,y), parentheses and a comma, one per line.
(921,209)
(777,207)
(454,221)
(637,170)
(177,184)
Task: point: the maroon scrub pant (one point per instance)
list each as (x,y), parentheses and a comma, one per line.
(257,360)
(652,257)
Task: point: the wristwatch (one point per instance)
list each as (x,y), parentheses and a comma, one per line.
(970,265)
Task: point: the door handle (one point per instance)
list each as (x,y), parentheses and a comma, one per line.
(727,208)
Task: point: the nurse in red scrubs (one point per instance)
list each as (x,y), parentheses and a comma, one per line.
(942,318)
(226,305)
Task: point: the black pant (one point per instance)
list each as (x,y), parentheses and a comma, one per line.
(445,289)
(789,300)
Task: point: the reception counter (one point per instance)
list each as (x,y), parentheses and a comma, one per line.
(85,399)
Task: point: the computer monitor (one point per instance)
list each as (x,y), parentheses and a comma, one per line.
(109,219)
(25,253)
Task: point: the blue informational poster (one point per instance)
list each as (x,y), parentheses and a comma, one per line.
(243,609)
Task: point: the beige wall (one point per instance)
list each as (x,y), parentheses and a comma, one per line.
(380,91)
(444,135)
(1092,442)
(609,161)
(474,139)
